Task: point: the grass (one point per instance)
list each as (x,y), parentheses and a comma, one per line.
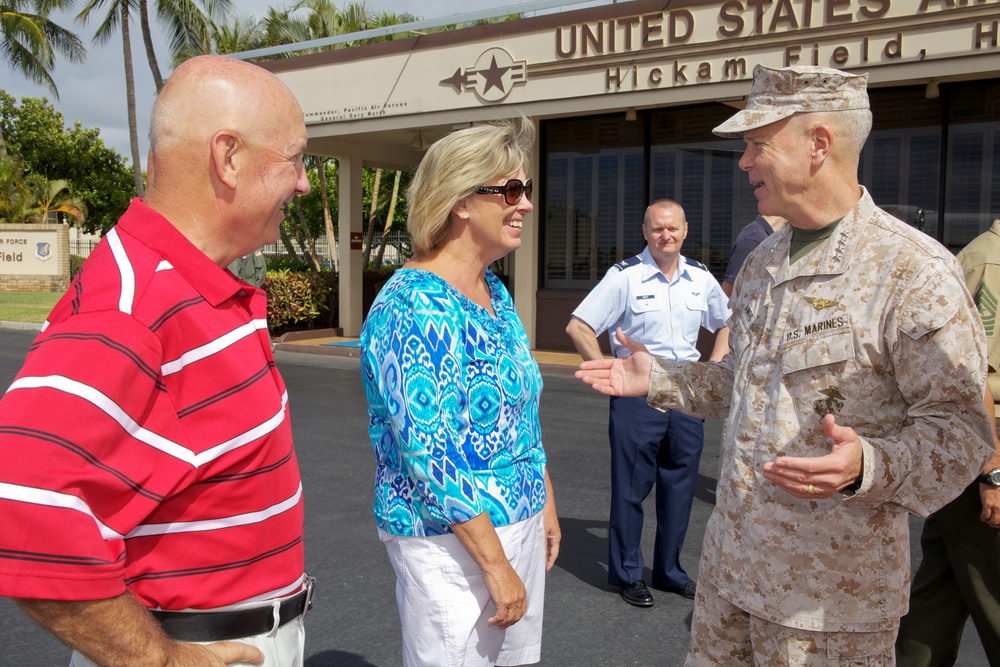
(30,307)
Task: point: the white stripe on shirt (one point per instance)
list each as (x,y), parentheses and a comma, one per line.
(47,498)
(125,270)
(212,347)
(146,530)
(102,402)
(245,438)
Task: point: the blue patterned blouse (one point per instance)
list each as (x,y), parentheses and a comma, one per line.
(453,407)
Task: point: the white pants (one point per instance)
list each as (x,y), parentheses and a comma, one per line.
(282,647)
(445,606)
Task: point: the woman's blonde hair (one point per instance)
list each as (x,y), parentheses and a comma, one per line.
(454,167)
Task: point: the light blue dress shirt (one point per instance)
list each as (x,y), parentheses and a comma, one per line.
(664,315)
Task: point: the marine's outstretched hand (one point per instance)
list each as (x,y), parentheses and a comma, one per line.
(628,376)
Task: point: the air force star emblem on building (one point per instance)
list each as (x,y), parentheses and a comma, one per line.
(493,76)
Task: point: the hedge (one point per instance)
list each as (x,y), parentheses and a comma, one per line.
(300,300)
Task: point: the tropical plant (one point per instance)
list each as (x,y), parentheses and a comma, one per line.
(118,15)
(297,298)
(37,134)
(13,198)
(186,22)
(56,197)
(30,198)
(29,41)
(245,33)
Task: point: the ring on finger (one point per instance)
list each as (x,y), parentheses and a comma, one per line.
(810,490)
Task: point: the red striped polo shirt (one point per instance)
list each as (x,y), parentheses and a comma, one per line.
(146,442)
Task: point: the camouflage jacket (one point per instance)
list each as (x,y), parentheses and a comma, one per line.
(876,326)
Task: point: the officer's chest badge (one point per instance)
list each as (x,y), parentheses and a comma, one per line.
(819,303)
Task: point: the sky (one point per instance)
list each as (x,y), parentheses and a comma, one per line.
(94,92)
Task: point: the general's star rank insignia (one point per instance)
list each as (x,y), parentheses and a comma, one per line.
(819,303)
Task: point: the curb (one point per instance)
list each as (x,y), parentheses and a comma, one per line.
(30,326)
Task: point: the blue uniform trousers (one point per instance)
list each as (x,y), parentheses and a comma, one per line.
(650,446)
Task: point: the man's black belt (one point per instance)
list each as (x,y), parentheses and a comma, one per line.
(219,626)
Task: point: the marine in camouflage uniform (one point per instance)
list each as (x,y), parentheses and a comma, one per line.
(854,396)
(876,328)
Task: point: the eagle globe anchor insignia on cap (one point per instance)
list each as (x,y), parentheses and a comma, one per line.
(778,93)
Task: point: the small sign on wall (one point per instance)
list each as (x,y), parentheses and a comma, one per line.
(29,252)
(356,240)
(34,258)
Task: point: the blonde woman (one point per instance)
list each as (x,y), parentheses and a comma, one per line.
(463,501)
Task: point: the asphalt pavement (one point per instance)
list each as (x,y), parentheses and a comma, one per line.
(354,621)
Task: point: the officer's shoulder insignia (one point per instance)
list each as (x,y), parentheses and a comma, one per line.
(627,262)
(819,303)
(694,262)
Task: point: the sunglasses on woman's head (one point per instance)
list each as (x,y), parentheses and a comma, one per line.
(512,190)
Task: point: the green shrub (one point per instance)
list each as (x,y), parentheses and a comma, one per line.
(75,262)
(287,263)
(300,300)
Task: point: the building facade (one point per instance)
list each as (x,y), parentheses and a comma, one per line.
(625,97)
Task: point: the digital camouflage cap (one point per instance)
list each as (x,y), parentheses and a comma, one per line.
(779,93)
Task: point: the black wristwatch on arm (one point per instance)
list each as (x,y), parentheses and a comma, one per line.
(992,477)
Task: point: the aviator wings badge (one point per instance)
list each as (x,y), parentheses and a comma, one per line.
(819,303)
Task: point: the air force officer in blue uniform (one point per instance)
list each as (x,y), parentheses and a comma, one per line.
(661,299)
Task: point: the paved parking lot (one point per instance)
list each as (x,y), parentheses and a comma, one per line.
(354,623)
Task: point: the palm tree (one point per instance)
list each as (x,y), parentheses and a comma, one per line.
(388,220)
(56,197)
(30,198)
(245,33)
(29,41)
(186,24)
(118,14)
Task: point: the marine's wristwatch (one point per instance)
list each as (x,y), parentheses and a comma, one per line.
(992,477)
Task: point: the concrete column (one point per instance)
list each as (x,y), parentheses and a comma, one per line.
(350,223)
(527,258)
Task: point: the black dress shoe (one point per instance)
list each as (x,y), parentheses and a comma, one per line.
(685,590)
(637,594)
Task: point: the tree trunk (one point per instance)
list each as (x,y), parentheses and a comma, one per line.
(324,195)
(388,220)
(133,132)
(147,39)
(370,233)
(285,240)
(304,226)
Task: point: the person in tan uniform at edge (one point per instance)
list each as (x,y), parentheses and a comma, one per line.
(853,391)
(958,576)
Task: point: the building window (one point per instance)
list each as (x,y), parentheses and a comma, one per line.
(595,194)
(900,168)
(934,163)
(599,180)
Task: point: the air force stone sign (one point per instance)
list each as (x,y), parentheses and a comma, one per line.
(34,258)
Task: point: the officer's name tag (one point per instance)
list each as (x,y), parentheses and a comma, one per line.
(645,302)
